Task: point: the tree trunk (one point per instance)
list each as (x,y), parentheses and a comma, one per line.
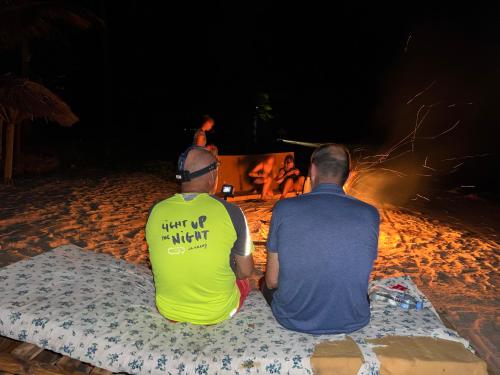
(9,155)
(17,142)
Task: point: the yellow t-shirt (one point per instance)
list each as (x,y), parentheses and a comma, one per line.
(192,243)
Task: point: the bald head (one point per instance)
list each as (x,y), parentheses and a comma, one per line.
(331,164)
(196,159)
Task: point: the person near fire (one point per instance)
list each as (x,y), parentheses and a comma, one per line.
(200,137)
(289,177)
(321,248)
(262,174)
(200,247)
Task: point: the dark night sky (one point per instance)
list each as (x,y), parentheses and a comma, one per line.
(340,71)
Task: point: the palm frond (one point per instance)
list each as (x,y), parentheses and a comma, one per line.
(22,99)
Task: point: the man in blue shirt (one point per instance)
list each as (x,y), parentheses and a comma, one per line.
(321,249)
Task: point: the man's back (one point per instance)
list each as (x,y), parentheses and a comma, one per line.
(190,244)
(326,243)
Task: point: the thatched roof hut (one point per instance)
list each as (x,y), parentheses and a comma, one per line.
(21,99)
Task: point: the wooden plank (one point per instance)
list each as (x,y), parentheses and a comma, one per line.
(22,358)
(100,371)
(45,369)
(47,357)
(7,344)
(26,351)
(9,364)
(73,366)
(84,368)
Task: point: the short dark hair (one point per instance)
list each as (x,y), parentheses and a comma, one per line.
(206,118)
(288,158)
(329,163)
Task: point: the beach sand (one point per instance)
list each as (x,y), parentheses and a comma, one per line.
(454,262)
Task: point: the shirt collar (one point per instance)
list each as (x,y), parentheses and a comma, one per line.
(330,188)
(186,197)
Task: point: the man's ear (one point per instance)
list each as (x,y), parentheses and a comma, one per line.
(313,171)
(213,179)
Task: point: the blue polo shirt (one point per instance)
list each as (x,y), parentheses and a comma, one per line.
(326,243)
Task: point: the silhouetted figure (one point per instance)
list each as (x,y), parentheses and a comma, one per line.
(200,137)
(289,177)
(263,175)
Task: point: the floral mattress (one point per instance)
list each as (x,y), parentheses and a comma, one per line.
(101,310)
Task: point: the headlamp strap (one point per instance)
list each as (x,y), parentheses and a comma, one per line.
(185,175)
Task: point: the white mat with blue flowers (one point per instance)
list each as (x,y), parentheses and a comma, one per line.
(101,310)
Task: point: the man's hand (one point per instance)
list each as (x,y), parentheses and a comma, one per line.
(244,266)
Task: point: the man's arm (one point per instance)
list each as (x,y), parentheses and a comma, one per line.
(244,266)
(241,253)
(273,248)
(272,270)
(281,176)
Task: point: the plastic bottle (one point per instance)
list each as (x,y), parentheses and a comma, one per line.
(403,300)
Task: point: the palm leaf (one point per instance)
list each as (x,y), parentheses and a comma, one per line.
(21,99)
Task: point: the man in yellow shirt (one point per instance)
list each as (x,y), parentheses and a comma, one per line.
(200,247)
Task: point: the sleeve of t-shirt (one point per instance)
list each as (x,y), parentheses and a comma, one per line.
(272,238)
(243,245)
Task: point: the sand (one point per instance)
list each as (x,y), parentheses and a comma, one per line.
(454,262)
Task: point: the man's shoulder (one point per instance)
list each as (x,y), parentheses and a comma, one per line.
(364,210)
(353,202)
(228,205)
(166,201)
(175,199)
(302,201)
(161,203)
(289,203)
(208,201)
(362,204)
(235,213)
